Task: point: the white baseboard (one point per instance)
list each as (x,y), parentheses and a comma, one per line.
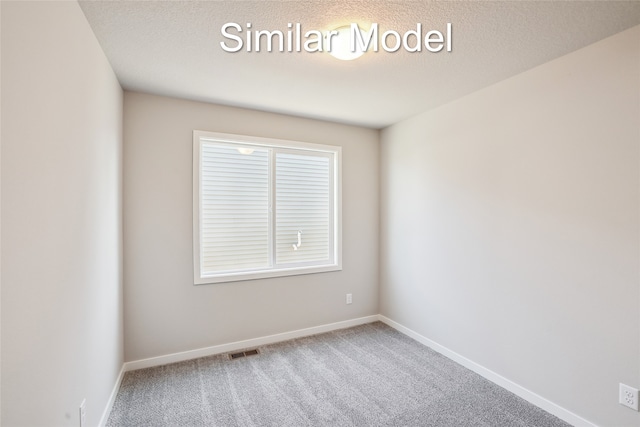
(503,382)
(225,348)
(112,399)
(495,378)
(240,345)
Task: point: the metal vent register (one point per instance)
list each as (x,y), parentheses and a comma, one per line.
(244,354)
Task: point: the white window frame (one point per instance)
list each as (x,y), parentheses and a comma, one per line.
(335,264)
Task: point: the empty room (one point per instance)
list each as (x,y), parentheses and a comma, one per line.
(319,213)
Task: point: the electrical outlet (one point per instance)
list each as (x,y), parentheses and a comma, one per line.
(629,396)
(349,299)
(83,413)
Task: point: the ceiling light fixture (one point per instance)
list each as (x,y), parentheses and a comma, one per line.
(340,42)
(244,150)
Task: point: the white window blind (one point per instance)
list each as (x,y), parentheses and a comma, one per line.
(303,206)
(234,218)
(264,208)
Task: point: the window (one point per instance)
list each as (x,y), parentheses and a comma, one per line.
(264,208)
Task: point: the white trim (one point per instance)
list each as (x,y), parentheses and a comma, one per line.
(239,345)
(526,394)
(332,152)
(250,140)
(337,188)
(112,398)
(242,276)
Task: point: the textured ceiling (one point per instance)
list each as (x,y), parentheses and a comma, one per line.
(173,48)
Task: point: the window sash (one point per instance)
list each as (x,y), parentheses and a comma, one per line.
(234,209)
(309,236)
(300,262)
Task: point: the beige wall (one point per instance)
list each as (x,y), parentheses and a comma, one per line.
(510,224)
(164,311)
(62,335)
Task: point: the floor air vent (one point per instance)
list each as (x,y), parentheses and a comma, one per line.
(244,353)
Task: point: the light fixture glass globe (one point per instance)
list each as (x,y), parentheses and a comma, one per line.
(244,150)
(341,44)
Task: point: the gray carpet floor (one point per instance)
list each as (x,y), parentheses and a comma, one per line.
(370,375)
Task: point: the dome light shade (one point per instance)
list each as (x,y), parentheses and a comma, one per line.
(340,44)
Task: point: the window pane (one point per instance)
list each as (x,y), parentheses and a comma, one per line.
(302,207)
(234,208)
